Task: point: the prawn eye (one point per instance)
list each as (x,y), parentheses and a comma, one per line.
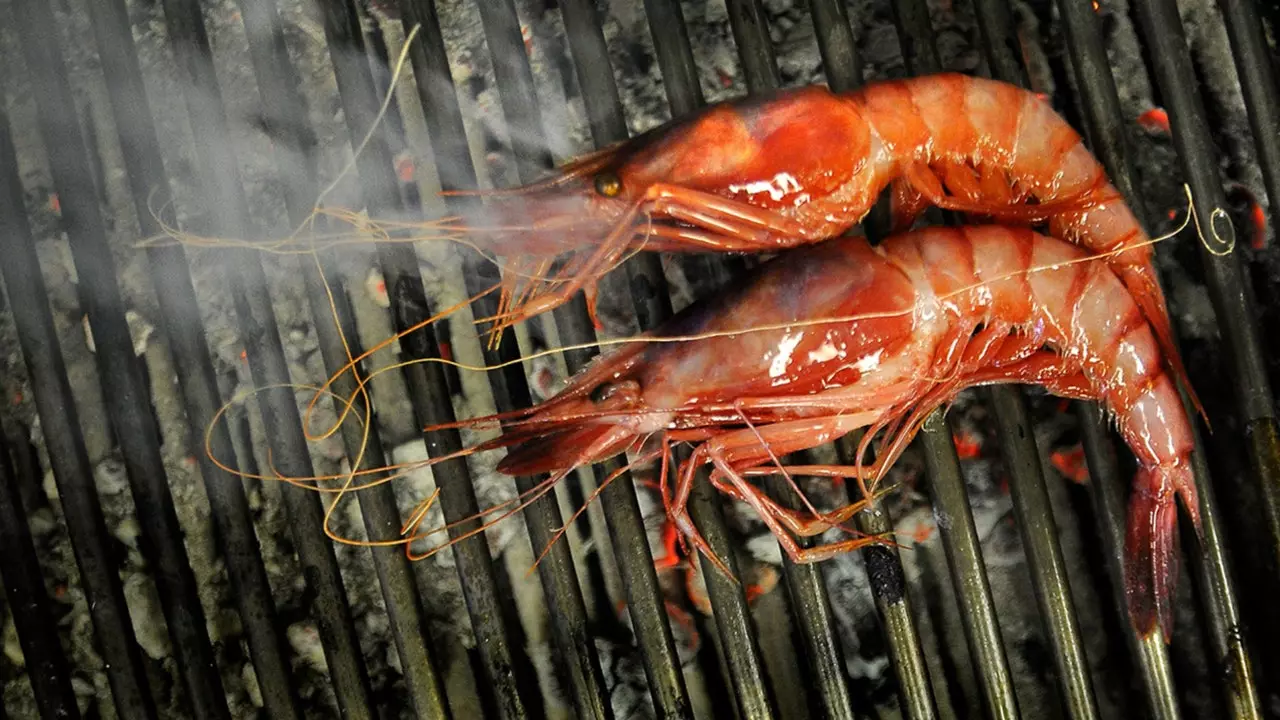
(608,184)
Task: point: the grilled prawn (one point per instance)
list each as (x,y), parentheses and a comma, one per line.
(803,165)
(840,335)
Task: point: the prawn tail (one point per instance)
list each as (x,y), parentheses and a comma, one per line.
(1142,284)
(563,450)
(1151,545)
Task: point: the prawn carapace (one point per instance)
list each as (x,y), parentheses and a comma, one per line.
(799,166)
(838,336)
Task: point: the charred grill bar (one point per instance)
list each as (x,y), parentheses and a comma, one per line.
(506,672)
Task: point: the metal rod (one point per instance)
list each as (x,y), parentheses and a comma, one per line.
(283,106)
(964,555)
(448,139)
(729,604)
(728,601)
(55,405)
(178,308)
(1150,653)
(645,601)
(836,44)
(946,486)
(812,608)
(751,31)
(377,505)
(1104,125)
(518,98)
(1022,457)
(1259,85)
(1233,308)
(884,566)
(127,396)
(46,663)
(267,364)
(889,588)
(805,583)
(675,56)
(427,383)
(1044,555)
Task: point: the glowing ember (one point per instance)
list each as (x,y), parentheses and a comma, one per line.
(1071,464)
(1154,120)
(968,444)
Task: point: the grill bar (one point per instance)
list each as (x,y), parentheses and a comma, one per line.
(836,45)
(1233,308)
(267,364)
(742,658)
(751,31)
(1259,85)
(964,555)
(884,566)
(427,382)
(1104,127)
(67,454)
(946,485)
(622,512)
(378,506)
(283,104)
(177,300)
(889,587)
(1044,555)
(805,582)
(125,391)
(510,387)
(448,140)
(812,608)
(728,601)
(42,653)
(675,56)
(1017,438)
(1150,654)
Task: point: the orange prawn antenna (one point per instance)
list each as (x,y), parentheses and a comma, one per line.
(564,527)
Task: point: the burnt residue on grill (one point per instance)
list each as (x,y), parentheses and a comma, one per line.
(242,613)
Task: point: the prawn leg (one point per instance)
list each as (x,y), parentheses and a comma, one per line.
(926,181)
(772,514)
(786,437)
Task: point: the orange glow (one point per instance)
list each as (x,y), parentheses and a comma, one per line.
(1155,120)
(1071,464)
(1096,6)
(922,532)
(968,445)
(1259,219)
(405,169)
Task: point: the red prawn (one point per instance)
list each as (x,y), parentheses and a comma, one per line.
(837,336)
(799,166)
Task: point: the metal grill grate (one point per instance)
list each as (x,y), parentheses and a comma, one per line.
(504,675)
